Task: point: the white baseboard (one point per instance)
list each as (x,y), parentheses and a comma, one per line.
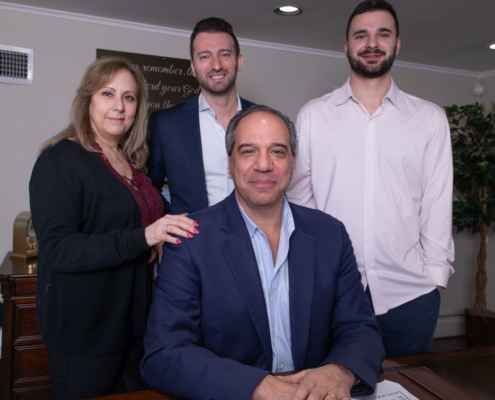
(450,325)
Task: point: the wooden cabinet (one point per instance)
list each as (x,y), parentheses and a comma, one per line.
(24,374)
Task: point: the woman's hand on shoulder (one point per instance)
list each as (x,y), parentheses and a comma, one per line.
(162,229)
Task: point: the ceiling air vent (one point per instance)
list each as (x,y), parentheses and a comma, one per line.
(16,65)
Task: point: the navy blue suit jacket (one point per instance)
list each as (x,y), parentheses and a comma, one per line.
(175,152)
(208,334)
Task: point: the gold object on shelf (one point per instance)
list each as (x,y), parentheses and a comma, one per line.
(25,242)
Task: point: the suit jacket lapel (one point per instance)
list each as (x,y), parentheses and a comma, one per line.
(245,104)
(242,261)
(301,276)
(191,134)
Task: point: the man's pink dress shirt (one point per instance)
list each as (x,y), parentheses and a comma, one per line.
(388,178)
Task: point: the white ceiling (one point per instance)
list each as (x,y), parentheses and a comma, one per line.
(443,33)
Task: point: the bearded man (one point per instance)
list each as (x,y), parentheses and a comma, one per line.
(380,160)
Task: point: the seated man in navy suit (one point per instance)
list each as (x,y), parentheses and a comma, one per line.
(267,287)
(186,141)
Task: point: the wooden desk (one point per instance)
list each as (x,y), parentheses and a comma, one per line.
(421,382)
(143,395)
(415,389)
(24,373)
(472,369)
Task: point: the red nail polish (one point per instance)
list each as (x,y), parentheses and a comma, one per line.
(178,241)
(196,231)
(190,235)
(196,224)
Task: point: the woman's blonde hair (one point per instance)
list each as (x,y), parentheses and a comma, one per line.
(99,73)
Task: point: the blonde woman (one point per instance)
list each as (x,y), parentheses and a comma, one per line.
(99,223)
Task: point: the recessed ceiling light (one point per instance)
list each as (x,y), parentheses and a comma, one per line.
(288,10)
(491,46)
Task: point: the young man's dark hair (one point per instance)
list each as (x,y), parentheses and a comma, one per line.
(372,5)
(213,25)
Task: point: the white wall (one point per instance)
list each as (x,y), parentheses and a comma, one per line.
(489,94)
(284,80)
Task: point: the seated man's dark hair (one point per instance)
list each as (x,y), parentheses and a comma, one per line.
(230,132)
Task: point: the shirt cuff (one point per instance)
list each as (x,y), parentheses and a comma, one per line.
(440,274)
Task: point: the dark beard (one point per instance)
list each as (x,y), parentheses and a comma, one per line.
(371,72)
(212,90)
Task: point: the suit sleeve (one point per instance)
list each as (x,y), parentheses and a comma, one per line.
(57,212)
(175,360)
(300,190)
(356,337)
(155,162)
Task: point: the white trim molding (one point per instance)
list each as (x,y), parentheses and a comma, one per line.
(450,325)
(247,42)
(93,19)
(486,74)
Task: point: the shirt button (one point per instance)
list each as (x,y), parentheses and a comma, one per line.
(281,366)
(271,291)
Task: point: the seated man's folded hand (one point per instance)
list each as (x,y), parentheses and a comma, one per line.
(328,382)
(273,388)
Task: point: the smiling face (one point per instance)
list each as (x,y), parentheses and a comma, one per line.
(113,107)
(372,44)
(261,163)
(215,63)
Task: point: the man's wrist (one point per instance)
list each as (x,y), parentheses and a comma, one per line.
(349,374)
(346,374)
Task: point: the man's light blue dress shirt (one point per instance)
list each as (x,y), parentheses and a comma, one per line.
(275,282)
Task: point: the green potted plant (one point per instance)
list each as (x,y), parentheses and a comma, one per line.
(473,145)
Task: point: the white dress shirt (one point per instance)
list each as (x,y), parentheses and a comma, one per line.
(388,178)
(218,183)
(275,283)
